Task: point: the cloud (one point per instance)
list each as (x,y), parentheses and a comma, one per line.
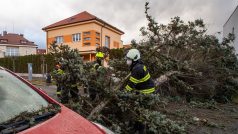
(30,16)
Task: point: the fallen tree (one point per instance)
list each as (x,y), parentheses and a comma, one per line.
(196,65)
(206,68)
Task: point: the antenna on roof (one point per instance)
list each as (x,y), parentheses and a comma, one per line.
(5,29)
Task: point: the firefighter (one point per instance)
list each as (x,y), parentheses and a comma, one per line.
(99,59)
(64,91)
(140,80)
(58,72)
(98,71)
(98,67)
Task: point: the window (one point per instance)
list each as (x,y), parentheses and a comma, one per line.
(59,39)
(97,39)
(76,37)
(87,44)
(12,51)
(97,34)
(3,41)
(97,45)
(86,33)
(107,41)
(88,38)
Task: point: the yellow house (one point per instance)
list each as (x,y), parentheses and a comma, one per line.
(85,32)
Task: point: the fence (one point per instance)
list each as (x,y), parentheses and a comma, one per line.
(40,63)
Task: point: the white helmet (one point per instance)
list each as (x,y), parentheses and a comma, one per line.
(133,54)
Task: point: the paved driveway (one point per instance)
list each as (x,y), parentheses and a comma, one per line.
(50,89)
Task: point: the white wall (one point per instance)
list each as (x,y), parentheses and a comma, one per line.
(27,50)
(2,50)
(227,28)
(23,50)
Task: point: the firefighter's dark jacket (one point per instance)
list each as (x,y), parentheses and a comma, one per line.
(140,79)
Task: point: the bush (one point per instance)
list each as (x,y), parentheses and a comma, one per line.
(117,53)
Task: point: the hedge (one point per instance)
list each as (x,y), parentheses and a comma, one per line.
(21,63)
(36,60)
(117,53)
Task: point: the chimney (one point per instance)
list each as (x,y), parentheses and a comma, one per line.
(4,33)
(22,35)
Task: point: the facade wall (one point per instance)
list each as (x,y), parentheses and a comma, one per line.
(93,28)
(23,50)
(27,50)
(114,37)
(2,50)
(231,26)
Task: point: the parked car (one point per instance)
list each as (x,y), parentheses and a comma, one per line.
(25,109)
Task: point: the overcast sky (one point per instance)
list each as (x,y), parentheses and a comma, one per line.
(30,16)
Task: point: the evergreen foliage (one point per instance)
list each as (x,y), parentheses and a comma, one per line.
(196,64)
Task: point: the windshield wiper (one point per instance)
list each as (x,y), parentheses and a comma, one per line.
(44,116)
(24,124)
(14,129)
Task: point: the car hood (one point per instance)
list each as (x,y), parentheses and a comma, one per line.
(65,122)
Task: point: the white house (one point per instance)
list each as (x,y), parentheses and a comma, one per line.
(12,44)
(231,26)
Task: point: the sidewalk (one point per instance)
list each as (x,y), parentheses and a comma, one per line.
(50,89)
(33,75)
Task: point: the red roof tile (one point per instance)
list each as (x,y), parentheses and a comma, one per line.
(127,46)
(15,39)
(41,51)
(81,17)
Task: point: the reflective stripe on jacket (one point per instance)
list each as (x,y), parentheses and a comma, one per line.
(140,80)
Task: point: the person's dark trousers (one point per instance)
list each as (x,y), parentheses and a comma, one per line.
(92,93)
(140,127)
(99,61)
(48,78)
(64,95)
(74,93)
(58,91)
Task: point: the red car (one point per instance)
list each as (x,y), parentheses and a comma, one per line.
(26,109)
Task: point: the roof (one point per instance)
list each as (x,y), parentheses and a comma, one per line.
(41,51)
(15,39)
(127,46)
(231,15)
(81,17)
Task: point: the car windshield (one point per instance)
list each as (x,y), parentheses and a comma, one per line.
(17,97)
